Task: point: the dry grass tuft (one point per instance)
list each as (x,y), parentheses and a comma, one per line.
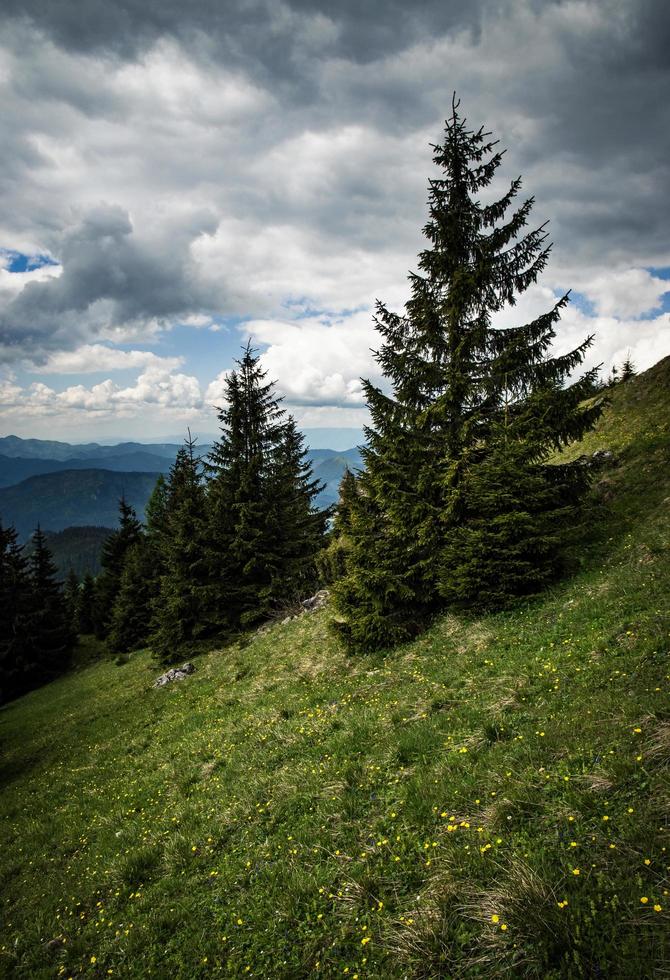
(658,743)
(595,781)
(524,904)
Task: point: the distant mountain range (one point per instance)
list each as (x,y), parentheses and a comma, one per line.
(73,498)
(61,485)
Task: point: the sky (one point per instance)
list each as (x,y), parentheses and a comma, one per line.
(179,178)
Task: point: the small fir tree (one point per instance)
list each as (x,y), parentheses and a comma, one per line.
(132,609)
(112,559)
(459,388)
(50,628)
(86,606)
(180,608)
(332,560)
(71,596)
(627,368)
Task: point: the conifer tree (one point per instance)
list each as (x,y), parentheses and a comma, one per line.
(627,368)
(180,608)
(332,560)
(242,558)
(86,606)
(264,527)
(71,596)
(131,613)
(50,629)
(300,525)
(16,653)
(463,394)
(114,551)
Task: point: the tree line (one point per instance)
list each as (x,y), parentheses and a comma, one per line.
(457,505)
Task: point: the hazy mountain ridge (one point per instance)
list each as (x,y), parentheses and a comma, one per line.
(79,486)
(22,460)
(73,498)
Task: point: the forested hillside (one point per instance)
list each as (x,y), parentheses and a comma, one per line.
(82,497)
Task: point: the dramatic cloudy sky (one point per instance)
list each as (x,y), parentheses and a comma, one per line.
(177,177)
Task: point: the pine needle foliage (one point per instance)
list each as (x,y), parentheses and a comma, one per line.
(467,418)
(179,608)
(16,657)
(50,631)
(264,528)
(112,560)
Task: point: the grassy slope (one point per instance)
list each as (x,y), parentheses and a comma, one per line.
(289,812)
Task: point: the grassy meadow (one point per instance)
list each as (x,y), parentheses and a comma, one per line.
(491,800)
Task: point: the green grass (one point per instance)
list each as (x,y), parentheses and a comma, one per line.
(290,812)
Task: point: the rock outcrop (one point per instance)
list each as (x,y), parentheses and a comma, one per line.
(174,674)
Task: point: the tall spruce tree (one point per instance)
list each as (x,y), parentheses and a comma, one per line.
(264,527)
(112,559)
(243,532)
(181,606)
(16,653)
(463,395)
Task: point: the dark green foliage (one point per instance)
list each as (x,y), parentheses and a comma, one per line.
(300,526)
(129,623)
(240,496)
(627,368)
(264,530)
(86,606)
(16,656)
(49,630)
(77,548)
(114,552)
(462,393)
(511,532)
(179,533)
(332,560)
(71,597)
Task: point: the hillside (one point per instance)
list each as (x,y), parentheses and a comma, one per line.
(48,449)
(78,548)
(73,497)
(14,470)
(488,801)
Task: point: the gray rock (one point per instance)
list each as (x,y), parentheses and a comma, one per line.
(174,674)
(317,601)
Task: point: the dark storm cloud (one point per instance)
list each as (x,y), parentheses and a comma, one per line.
(109,279)
(255,152)
(261,30)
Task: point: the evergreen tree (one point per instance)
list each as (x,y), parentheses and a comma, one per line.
(243,562)
(112,559)
(332,560)
(461,394)
(627,368)
(86,606)
(139,585)
(50,628)
(264,527)
(300,524)
(71,596)
(131,613)
(16,653)
(180,608)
